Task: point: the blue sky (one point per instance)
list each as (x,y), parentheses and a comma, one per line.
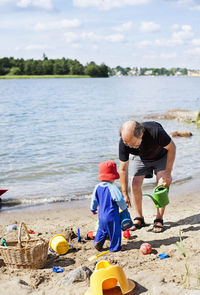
(151,33)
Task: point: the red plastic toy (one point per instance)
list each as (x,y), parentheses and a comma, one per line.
(91,235)
(145,248)
(126,234)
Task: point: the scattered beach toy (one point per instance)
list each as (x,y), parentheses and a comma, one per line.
(3,241)
(160,196)
(3,190)
(59,244)
(94,257)
(79,237)
(91,235)
(163,255)
(126,234)
(31,231)
(106,276)
(11,227)
(80,274)
(109,283)
(51,250)
(145,248)
(125,220)
(58,269)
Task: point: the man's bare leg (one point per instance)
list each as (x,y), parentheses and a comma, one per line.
(136,190)
(158,226)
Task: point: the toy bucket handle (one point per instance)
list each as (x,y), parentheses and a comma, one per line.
(19,234)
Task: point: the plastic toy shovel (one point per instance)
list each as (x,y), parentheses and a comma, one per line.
(94,257)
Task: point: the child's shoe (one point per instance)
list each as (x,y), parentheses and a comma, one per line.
(98,246)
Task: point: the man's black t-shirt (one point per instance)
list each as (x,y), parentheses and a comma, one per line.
(152,146)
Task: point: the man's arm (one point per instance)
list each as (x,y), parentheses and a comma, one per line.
(167,178)
(123,172)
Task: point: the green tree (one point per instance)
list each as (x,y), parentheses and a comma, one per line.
(92,70)
(15,71)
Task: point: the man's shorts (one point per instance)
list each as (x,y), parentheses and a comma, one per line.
(147,167)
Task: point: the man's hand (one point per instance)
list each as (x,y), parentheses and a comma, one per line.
(128,202)
(166,179)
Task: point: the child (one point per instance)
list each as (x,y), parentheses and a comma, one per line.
(108,197)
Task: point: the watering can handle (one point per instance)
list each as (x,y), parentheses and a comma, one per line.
(161,185)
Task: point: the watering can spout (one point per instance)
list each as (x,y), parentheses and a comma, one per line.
(155,202)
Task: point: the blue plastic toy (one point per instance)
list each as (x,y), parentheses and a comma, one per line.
(79,237)
(57,269)
(163,255)
(125,220)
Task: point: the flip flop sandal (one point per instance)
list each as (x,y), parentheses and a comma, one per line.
(160,220)
(138,225)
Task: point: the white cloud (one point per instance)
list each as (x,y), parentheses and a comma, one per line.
(91,36)
(184,33)
(56,25)
(95,47)
(36,47)
(124,27)
(191,4)
(196,42)
(175,27)
(115,38)
(168,42)
(3,2)
(108,4)
(144,43)
(71,37)
(149,27)
(44,4)
(195,51)
(168,55)
(76,45)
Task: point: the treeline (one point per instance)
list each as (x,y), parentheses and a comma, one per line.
(163,71)
(137,71)
(19,66)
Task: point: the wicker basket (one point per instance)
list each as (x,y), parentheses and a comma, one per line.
(30,254)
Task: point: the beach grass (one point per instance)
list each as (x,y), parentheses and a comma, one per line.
(42,76)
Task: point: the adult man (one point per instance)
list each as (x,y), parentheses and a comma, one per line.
(154,151)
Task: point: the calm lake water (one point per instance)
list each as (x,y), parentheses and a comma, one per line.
(55,132)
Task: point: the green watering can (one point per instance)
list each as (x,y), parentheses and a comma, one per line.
(160,196)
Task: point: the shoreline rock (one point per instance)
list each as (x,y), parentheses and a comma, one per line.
(180,115)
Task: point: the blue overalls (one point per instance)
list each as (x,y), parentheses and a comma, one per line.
(109,198)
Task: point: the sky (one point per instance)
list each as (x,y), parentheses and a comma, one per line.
(127,33)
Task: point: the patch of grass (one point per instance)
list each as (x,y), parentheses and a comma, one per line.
(42,76)
(186,277)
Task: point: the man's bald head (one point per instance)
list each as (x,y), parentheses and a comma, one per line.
(130,132)
(132,128)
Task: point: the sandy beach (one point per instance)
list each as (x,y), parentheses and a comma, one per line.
(151,274)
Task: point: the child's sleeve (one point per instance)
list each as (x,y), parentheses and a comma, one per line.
(118,197)
(94,203)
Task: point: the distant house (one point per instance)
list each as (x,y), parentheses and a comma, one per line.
(194,73)
(148,73)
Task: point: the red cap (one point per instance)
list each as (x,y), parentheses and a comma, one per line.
(108,171)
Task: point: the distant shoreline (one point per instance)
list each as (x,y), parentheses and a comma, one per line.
(43,76)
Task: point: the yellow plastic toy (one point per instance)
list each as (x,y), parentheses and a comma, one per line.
(59,244)
(106,276)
